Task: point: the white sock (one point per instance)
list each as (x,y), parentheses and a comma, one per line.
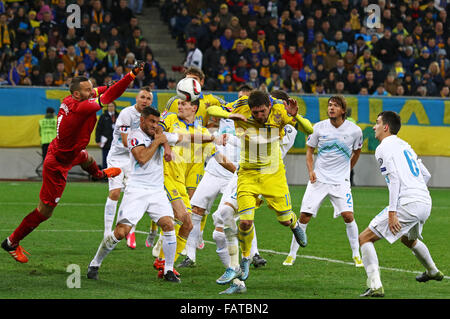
(294,245)
(370,261)
(233,246)
(353,237)
(169,247)
(191,243)
(106,246)
(222,248)
(133,229)
(110,213)
(254,249)
(422,253)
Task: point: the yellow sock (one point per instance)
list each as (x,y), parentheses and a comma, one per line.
(153,226)
(203,222)
(181,243)
(293,220)
(245,240)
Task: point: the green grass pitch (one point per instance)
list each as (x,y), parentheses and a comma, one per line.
(323,270)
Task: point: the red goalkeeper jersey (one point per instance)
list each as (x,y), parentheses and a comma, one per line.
(76,120)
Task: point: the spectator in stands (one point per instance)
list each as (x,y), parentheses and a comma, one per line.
(111,61)
(390,83)
(293,84)
(225,16)
(48,80)
(352,86)
(339,70)
(194,56)
(91,61)
(59,76)
(71,60)
(331,58)
(48,64)
(227,40)
(36,76)
(424,60)
(340,88)
(380,91)
(293,58)
(121,13)
(283,69)
(211,58)
(244,39)
(386,49)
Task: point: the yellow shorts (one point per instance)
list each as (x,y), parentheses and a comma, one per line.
(176,190)
(273,187)
(194,173)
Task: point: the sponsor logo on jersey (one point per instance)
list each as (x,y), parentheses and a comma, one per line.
(380,161)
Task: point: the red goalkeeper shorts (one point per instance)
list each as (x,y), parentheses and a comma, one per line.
(54,176)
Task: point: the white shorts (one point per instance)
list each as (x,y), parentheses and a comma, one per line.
(230,192)
(207,191)
(229,196)
(137,201)
(412,217)
(340,196)
(123,162)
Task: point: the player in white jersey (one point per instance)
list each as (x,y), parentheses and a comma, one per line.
(144,192)
(213,183)
(409,204)
(339,143)
(119,156)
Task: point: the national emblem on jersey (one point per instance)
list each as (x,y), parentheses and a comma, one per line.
(123,129)
(134,142)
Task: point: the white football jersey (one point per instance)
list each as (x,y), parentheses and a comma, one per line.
(151,174)
(231,151)
(288,139)
(395,156)
(128,119)
(334,150)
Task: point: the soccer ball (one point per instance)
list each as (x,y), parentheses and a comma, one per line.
(188,89)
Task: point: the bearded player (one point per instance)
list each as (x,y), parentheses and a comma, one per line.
(76,121)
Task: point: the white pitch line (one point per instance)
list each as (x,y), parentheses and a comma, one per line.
(263,250)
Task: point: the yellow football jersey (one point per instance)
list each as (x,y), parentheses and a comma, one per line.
(185,153)
(260,142)
(206,100)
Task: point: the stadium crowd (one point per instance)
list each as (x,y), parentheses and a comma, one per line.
(305,46)
(38,48)
(301,46)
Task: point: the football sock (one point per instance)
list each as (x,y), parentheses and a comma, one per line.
(294,245)
(203,223)
(254,250)
(222,249)
(353,237)
(293,220)
(133,229)
(245,240)
(169,246)
(106,246)
(94,170)
(422,253)
(191,244)
(181,243)
(370,261)
(28,224)
(110,213)
(176,224)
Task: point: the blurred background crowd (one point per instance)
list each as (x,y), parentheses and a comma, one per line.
(301,46)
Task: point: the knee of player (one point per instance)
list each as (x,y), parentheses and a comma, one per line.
(121,231)
(166,224)
(348,217)
(114,194)
(245,224)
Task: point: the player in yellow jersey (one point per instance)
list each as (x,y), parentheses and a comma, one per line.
(261,170)
(196,170)
(183,154)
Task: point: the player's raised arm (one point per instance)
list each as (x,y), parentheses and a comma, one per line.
(292,109)
(217,111)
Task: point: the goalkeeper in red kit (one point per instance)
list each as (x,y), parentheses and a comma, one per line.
(76,119)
